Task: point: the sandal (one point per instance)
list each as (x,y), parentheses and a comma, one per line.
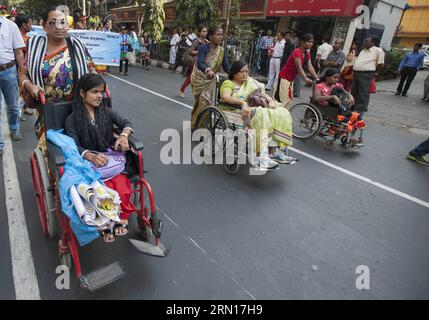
(108,236)
(124,227)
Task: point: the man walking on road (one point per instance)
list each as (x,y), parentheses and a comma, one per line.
(366,67)
(266,42)
(419,152)
(24,23)
(11,45)
(408,68)
(275,60)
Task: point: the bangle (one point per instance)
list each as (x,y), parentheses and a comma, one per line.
(124,135)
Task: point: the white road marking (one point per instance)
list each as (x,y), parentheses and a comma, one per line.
(24,274)
(321,161)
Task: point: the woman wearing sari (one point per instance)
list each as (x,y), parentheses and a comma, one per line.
(54,64)
(273,117)
(211,57)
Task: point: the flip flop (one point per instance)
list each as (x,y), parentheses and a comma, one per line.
(124,226)
(108,232)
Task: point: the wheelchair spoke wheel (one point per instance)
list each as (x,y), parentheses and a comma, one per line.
(38,194)
(214,121)
(231,165)
(306,120)
(47,195)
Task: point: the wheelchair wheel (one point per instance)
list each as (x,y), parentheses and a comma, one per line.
(47,196)
(232,167)
(213,120)
(306,120)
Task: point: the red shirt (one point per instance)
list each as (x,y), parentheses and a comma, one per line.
(325,91)
(289,71)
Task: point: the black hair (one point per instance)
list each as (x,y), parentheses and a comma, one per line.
(307,37)
(329,73)
(236,68)
(287,32)
(212,31)
(21,19)
(420,45)
(375,40)
(48,11)
(326,38)
(86,83)
(282,33)
(201,29)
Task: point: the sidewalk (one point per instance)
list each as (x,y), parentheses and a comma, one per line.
(385,108)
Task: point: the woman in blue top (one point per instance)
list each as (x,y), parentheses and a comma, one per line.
(211,57)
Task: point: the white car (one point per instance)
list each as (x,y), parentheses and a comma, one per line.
(426,60)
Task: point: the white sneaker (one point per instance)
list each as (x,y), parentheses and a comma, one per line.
(265,162)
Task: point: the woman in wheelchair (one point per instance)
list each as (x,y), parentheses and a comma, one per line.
(91,126)
(260,112)
(335,102)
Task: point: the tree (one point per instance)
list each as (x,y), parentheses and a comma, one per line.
(196,13)
(153,17)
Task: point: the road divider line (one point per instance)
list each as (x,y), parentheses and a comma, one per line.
(307,155)
(24,273)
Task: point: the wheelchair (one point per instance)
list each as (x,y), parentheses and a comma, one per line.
(215,120)
(46,173)
(310,121)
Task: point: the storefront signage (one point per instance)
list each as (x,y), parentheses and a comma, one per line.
(345,8)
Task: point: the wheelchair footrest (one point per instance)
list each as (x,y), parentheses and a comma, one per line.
(102,277)
(150,249)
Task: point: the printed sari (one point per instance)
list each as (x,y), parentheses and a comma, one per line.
(276,120)
(203,87)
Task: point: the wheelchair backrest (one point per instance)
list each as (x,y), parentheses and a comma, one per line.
(55,114)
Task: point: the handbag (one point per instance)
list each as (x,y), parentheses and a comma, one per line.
(115,165)
(257,99)
(372,87)
(187,58)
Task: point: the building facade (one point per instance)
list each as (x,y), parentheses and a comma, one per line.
(414,25)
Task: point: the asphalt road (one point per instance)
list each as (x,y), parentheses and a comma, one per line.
(297,233)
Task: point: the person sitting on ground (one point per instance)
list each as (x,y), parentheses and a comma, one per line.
(335,102)
(272,117)
(90,125)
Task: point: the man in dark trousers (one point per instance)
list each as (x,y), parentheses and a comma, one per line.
(408,68)
(289,47)
(418,153)
(365,69)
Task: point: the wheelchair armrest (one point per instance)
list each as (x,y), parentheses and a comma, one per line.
(135,144)
(55,153)
(231,105)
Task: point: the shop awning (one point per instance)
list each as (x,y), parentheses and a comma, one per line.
(344,8)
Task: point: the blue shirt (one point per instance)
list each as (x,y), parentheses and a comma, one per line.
(413,60)
(202,54)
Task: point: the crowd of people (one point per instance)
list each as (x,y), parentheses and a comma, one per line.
(59,67)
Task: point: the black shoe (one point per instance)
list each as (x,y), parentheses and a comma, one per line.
(16,135)
(1,152)
(397,94)
(405,95)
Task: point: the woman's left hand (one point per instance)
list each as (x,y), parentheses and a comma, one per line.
(246,111)
(351,101)
(122,144)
